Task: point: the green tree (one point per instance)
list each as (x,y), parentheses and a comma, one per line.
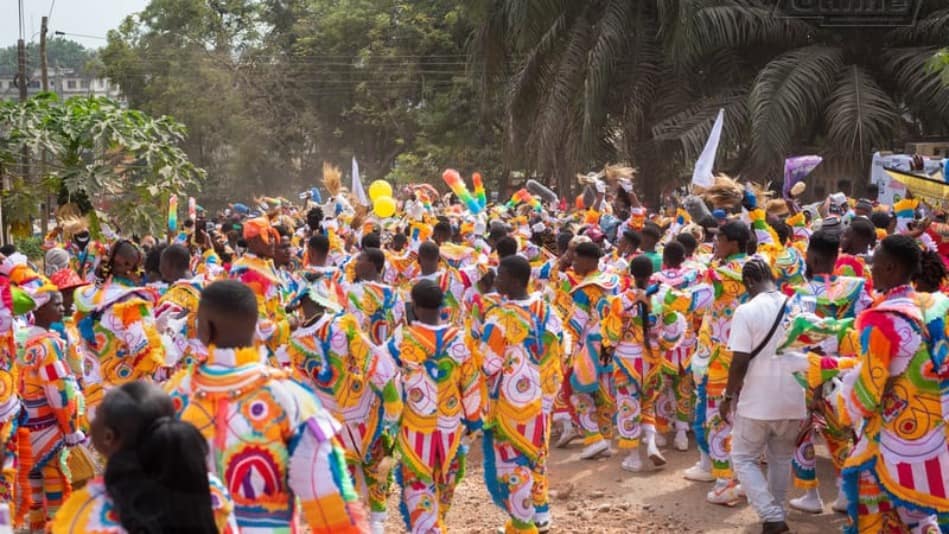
(604,79)
(121,163)
(61,53)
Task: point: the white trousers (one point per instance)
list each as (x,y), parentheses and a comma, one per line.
(751,438)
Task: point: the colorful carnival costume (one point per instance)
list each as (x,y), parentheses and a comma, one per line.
(271,443)
(521,347)
(453,287)
(834,297)
(11,436)
(358,385)
(589,377)
(378,307)
(176,317)
(895,475)
(677,388)
(725,279)
(442,396)
(273,328)
(90,511)
(54,404)
(118,336)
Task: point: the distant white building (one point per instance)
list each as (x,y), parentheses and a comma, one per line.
(64,82)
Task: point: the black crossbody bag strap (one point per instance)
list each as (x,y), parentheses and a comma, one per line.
(774,327)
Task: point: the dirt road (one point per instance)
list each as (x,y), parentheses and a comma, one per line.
(599,497)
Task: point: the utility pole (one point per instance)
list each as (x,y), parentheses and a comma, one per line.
(43,70)
(46,207)
(21,67)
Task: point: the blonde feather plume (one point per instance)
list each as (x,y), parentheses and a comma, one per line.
(332,179)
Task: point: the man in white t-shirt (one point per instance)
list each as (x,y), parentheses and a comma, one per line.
(771,407)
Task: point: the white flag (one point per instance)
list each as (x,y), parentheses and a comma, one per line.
(702,173)
(358,191)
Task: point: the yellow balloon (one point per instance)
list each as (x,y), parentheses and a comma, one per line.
(379,188)
(384,206)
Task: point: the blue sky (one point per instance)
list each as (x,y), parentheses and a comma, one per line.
(87,17)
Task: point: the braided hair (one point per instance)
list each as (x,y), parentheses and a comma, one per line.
(756,271)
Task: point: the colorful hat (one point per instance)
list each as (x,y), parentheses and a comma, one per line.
(259,227)
(66,279)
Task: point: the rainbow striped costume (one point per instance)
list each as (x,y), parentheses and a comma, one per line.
(275,448)
(521,347)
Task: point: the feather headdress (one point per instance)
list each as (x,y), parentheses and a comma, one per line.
(332,179)
(724,193)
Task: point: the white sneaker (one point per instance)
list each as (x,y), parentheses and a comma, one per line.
(632,463)
(810,502)
(681,441)
(567,436)
(377,523)
(542,522)
(655,456)
(661,440)
(840,503)
(593,450)
(698,473)
(726,494)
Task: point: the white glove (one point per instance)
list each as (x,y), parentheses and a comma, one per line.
(75,438)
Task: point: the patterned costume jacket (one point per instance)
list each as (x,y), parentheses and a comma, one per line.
(271,443)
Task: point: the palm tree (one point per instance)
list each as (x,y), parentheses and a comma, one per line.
(605,79)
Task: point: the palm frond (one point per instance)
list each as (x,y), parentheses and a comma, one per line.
(787,95)
(563,89)
(860,116)
(920,88)
(691,126)
(929,29)
(609,47)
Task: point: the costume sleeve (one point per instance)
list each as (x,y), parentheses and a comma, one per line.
(383,375)
(696,298)
(320,480)
(132,322)
(612,325)
(470,384)
(493,342)
(764,233)
(551,371)
(59,385)
(862,392)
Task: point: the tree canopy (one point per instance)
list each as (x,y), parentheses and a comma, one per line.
(118,163)
(60,53)
(547,88)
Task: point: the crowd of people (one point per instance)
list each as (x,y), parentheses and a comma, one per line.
(277,366)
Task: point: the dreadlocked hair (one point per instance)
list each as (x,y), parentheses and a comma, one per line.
(756,269)
(932,273)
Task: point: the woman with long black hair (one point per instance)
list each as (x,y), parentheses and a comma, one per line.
(156,478)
